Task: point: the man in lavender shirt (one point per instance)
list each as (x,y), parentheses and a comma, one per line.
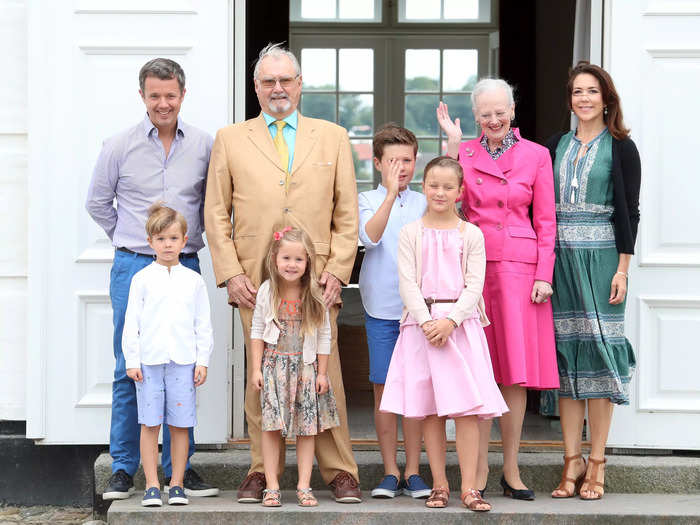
(159,159)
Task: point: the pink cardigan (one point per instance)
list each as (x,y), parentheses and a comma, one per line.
(410,272)
(499,196)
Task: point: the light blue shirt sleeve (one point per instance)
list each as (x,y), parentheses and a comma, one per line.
(289,132)
(366,214)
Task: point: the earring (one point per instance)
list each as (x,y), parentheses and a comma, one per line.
(605,110)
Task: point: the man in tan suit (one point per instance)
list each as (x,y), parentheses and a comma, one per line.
(307,181)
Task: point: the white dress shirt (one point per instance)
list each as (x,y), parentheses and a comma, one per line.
(167,318)
(379,275)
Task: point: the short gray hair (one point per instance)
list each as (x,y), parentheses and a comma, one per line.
(491,84)
(276,50)
(164,69)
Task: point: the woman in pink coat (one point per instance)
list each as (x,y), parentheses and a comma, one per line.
(509,194)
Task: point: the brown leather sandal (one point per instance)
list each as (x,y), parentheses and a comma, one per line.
(564,479)
(438,498)
(472,505)
(592,483)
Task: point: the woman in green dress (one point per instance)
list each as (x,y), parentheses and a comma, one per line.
(596,181)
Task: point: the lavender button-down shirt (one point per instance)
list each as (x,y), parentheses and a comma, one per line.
(133,168)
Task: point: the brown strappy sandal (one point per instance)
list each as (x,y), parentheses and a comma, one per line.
(306,498)
(272,498)
(564,479)
(472,505)
(592,483)
(438,498)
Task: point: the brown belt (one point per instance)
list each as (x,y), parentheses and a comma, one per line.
(430,300)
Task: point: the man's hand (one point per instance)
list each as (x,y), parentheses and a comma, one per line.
(332,286)
(135,374)
(241,291)
(200,375)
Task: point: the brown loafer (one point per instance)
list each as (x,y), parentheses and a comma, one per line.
(345,489)
(251,490)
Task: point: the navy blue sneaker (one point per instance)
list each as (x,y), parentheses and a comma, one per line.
(176,496)
(151,498)
(416,487)
(120,486)
(387,488)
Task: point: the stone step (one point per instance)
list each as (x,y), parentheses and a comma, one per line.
(620,509)
(540,471)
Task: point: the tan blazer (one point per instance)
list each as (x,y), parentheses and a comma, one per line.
(246,177)
(410,257)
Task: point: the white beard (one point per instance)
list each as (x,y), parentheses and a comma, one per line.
(280,105)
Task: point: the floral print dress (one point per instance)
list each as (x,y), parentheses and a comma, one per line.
(289,400)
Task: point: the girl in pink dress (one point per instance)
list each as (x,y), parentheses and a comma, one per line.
(441,366)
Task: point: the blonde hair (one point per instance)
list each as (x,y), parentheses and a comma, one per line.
(161,217)
(313,309)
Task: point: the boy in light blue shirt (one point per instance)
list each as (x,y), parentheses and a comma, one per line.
(383,212)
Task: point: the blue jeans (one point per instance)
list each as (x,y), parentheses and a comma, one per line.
(125,431)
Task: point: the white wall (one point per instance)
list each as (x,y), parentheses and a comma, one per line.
(13,208)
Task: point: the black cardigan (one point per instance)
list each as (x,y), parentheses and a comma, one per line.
(626,175)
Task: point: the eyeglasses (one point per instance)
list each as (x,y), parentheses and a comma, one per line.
(285,82)
(488,117)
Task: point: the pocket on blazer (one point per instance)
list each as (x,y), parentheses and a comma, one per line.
(522,231)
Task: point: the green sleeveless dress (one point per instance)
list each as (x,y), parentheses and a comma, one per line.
(595,358)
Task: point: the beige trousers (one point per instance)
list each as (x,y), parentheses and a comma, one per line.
(333,449)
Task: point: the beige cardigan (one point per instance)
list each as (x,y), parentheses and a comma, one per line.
(410,272)
(264,327)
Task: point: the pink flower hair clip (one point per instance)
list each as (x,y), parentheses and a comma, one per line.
(278,235)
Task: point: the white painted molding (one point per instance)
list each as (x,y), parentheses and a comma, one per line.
(134,49)
(674,52)
(647,338)
(139,7)
(98,395)
(97,254)
(672,8)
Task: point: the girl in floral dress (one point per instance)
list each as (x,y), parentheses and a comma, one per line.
(291,341)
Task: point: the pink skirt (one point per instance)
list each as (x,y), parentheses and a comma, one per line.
(521,334)
(454,380)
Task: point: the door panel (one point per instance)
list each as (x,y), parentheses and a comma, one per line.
(654,58)
(83,86)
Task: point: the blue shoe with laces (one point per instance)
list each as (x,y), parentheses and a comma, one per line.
(176,496)
(416,487)
(151,498)
(387,488)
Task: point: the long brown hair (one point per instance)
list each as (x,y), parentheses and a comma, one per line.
(611,100)
(313,309)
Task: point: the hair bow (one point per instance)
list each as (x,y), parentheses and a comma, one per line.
(278,235)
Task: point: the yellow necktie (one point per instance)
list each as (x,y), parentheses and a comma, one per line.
(282,149)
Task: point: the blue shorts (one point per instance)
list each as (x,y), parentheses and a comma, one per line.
(167,395)
(381,339)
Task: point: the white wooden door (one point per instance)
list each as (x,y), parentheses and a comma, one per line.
(652,50)
(84,59)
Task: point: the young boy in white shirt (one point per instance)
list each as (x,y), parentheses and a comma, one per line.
(383,212)
(167,342)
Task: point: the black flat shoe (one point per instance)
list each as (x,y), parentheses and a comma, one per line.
(482,491)
(524,494)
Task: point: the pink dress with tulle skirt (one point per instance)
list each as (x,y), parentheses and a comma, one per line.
(453,380)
